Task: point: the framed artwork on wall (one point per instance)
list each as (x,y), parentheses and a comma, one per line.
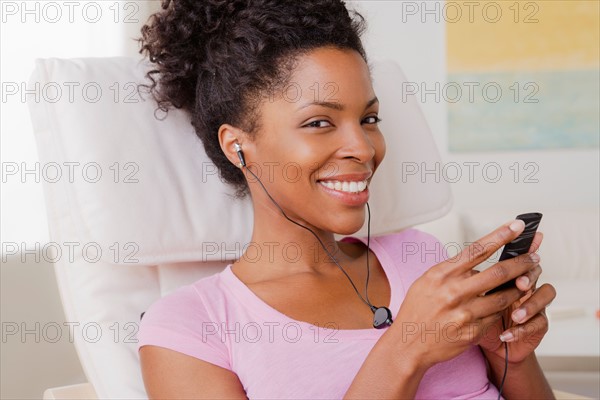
(522,75)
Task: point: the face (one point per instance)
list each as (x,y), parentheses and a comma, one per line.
(320,143)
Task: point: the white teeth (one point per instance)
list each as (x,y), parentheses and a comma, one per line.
(350,187)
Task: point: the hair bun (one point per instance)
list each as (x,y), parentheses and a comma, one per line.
(170,34)
(219,14)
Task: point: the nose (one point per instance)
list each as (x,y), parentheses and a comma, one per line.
(358,144)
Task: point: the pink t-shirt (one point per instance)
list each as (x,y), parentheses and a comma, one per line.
(220,320)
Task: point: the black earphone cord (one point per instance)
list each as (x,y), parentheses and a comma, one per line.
(367,302)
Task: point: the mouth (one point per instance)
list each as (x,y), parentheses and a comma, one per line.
(346,186)
(347,183)
(351,190)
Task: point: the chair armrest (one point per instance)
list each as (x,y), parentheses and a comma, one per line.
(80,391)
(86,391)
(568,396)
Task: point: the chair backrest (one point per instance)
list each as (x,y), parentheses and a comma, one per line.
(143,211)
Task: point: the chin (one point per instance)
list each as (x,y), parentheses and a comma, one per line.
(349,228)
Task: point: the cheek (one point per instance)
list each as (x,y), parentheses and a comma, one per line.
(303,158)
(292,166)
(380,149)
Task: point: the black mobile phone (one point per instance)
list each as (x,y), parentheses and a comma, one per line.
(520,245)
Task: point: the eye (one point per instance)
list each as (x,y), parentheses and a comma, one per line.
(317,124)
(372,120)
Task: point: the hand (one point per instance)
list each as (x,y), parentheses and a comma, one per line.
(525,319)
(444,313)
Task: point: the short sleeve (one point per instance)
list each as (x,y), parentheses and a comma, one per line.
(181,322)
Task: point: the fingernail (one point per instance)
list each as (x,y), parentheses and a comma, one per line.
(519,315)
(524,281)
(517,225)
(507,337)
(534,257)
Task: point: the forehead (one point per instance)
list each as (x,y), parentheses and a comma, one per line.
(329,71)
(326,75)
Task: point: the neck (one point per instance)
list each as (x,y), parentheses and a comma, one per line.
(280,248)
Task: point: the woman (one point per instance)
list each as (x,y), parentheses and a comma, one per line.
(276,324)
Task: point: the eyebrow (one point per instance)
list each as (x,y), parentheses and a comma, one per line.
(335,105)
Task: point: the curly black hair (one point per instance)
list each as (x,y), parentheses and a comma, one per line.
(216,59)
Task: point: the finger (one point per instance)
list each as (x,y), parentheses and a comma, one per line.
(532,331)
(501,272)
(528,280)
(485,330)
(472,272)
(483,248)
(485,306)
(490,331)
(536,304)
(536,243)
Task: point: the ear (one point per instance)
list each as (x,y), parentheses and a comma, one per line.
(228,135)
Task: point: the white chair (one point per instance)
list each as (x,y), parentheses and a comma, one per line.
(145,211)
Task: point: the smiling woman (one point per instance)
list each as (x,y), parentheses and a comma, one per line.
(285,86)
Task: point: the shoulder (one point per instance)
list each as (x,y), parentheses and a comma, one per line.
(180,354)
(183,302)
(184,321)
(171,306)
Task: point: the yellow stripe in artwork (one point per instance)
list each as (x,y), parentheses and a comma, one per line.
(522,35)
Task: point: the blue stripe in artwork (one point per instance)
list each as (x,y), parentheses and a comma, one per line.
(523,110)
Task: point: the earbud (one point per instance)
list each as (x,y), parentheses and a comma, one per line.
(240,153)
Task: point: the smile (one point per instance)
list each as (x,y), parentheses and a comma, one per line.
(346,186)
